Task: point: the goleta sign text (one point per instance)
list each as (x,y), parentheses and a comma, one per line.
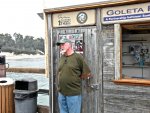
(128,13)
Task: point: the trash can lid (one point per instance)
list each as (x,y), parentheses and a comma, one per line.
(26,84)
(27,79)
(24,91)
(6,81)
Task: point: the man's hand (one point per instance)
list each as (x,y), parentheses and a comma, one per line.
(86,76)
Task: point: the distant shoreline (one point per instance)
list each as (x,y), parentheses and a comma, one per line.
(20,56)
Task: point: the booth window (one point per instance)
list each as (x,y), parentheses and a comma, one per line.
(134,54)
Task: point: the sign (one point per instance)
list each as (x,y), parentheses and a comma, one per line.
(77,41)
(127,13)
(78,18)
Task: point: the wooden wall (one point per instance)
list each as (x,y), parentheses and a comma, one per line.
(91,88)
(120,98)
(100,94)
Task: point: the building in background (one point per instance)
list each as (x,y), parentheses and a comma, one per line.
(114,38)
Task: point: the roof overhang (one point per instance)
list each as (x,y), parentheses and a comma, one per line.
(41,15)
(93,5)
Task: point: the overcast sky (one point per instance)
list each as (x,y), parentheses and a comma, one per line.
(20,16)
(59,3)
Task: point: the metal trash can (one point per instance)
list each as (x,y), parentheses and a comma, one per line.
(25,96)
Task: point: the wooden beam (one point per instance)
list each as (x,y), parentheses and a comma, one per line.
(26,70)
(137,26)
(43,91)
(103,4)
(133,81)
(43,109)
(117,39)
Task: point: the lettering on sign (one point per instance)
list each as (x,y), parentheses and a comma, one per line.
(76,18)
(63,20)
(149,8)
(126,13)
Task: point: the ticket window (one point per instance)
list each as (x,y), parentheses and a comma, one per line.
(136,51)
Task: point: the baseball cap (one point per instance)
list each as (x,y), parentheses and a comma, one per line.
(62,41)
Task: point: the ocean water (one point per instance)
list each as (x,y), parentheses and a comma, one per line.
(33,62)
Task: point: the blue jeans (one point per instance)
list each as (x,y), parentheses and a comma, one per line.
(69,104)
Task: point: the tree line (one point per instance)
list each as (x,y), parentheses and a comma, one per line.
(21,45)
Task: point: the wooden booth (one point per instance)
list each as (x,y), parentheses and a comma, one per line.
(114,38)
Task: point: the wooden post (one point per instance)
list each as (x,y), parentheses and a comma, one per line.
(47,44)
(117,35)
(2,66)
(2,70)
(6,95)
(26,70)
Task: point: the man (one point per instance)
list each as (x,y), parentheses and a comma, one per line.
(71,69)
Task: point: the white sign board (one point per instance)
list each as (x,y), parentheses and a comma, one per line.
(126,13)
(77,18)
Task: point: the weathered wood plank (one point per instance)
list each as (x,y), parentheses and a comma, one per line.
(43,109)
(120,98)
(110,108)
(26,70)
(117,98)
(90,53)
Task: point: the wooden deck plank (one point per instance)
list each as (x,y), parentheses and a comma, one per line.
(3,100)
(0,100)
(26,70)
(7,99)
(11,99)
(42,109)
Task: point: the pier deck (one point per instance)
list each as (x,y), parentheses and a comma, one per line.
(43,83)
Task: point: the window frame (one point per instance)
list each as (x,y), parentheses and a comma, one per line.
(118,79)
